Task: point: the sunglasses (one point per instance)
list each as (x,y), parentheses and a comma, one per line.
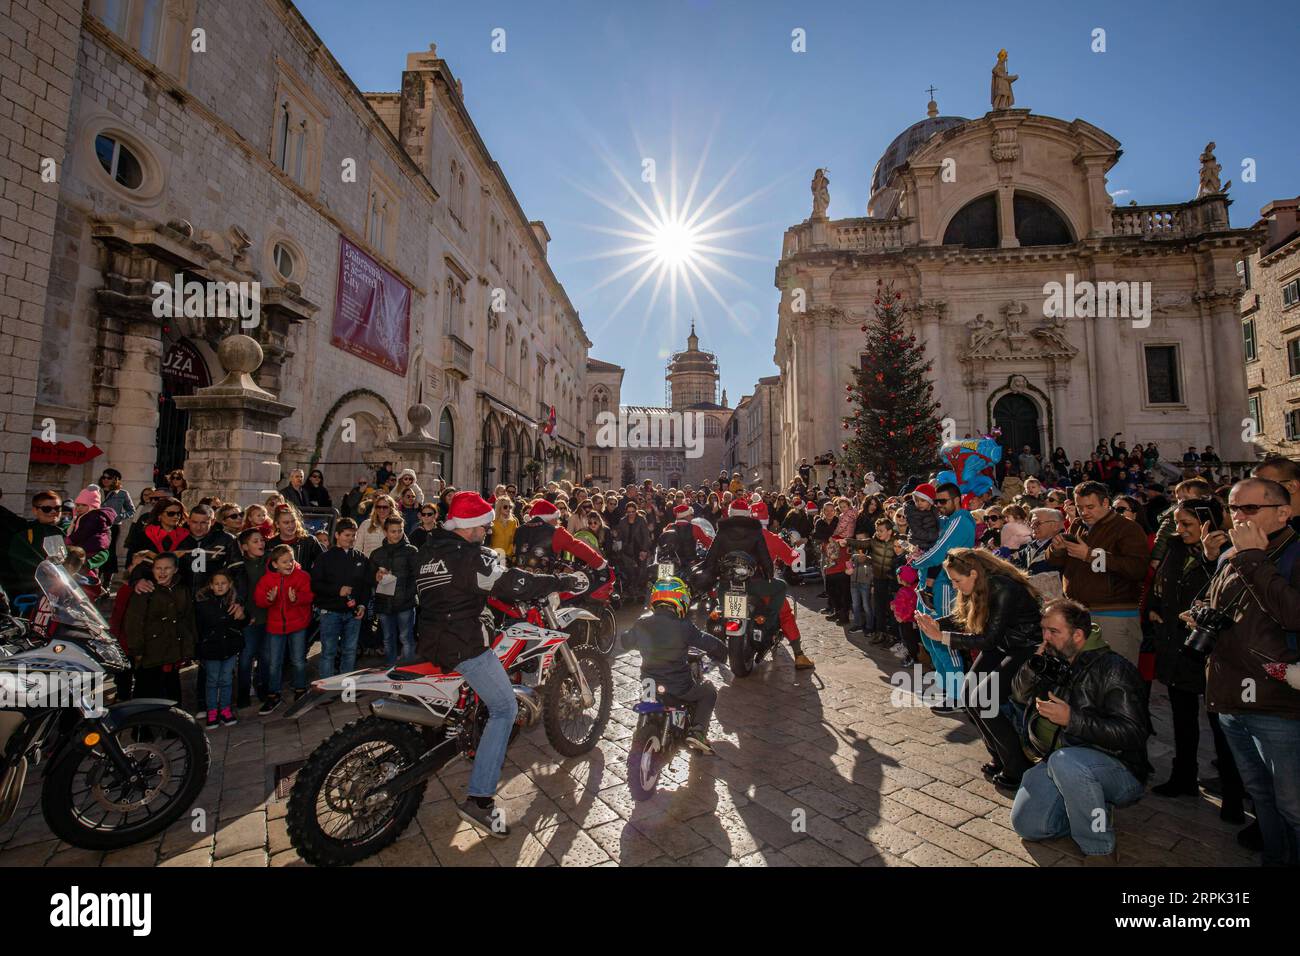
(943,501)
(232,514)
(383,508)
(48,509)
(1250,509)
(428,514)
(1125,511)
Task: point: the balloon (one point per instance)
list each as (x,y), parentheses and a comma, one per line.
(973,461)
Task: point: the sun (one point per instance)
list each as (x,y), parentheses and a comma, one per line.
(675,243)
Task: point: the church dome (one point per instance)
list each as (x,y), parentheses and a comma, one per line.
(906,143)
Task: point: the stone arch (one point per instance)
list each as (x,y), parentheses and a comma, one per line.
(1040,221)
(446,436)
(1018,385)
(489,451)
(366,408)
(975,224)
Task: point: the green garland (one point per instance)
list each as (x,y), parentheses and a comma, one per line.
(343,400)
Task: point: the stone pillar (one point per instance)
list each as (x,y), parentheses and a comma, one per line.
(233,442)
(1007,216)
(138,383)
(1228,398)
(417,449)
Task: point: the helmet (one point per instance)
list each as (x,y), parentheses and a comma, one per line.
(673,592)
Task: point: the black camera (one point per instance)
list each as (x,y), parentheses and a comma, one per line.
(1050,672)
(1210,623)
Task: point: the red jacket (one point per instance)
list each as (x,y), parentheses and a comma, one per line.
(778,549)
(562,541)
(282,615)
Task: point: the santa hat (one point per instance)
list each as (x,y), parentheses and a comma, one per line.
(811,506)
(739,508)
(682,510)
(925,490)
(759,511)
(545,510)
(89,497)
(468,510)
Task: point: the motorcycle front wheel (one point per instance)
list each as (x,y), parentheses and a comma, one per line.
(87,803)
(571,728)
(328,822)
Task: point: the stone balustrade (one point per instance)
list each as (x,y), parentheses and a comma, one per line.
(1151,222)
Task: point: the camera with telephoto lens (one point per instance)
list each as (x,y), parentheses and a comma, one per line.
(1209,622)
(1050,672)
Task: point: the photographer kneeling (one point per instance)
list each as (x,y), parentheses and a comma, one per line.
(1257,591)
(1087,715)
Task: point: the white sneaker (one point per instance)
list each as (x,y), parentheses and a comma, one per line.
(899,650)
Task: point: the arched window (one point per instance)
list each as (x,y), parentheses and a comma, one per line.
(493,339)
(711,427)
(523,362)
(512,372)
(1038,224)
(446,438)
(976,225)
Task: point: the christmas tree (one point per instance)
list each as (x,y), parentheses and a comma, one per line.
(894,429)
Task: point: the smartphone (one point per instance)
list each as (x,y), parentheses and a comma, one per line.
(1071,538)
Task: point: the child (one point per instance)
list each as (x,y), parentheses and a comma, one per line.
(160,632)
(885,554)
(904,608)
(219,620)
(285,592)
(663,637)
(117,622)
(922,519)
(860,586)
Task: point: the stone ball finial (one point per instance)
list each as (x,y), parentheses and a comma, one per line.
(419,415)
(239,354)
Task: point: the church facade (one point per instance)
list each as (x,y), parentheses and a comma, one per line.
(1049,311)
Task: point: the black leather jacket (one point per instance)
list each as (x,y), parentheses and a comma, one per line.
(677,544)
(736,534)
(1013,625)
(453,583)
(1108,710)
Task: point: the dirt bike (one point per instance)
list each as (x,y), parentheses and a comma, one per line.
(362,786)
(599,629)
(749,626)
(116,774)
(661,729)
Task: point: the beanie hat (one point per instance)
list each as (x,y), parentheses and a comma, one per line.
(925,490)
(468,510)
(545,510)
(89,496)
(739,508)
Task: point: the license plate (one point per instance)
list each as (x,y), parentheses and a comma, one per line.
(735,605)
(666,570)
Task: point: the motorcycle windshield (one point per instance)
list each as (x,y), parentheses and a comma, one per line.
(67,601)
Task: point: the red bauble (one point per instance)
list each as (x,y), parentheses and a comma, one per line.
(844,447)
(891,434)
(864,328)
(898,295)
(877,302)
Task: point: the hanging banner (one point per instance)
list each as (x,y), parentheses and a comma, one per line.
(372,311)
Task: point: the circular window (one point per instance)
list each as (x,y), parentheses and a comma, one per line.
(284,261)
(119,162)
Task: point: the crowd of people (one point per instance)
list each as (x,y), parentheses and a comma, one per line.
(1044,608)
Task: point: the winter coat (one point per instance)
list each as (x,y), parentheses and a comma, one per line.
(220,636)
(922,526)
(402,559)
(663,640)
(1126,563)
(246,574)
(282,615)
(1013,625)
(336,569)
(160,626)
(1183,576)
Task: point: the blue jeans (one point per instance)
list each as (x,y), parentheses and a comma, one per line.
(862,616)
(398,628)
(339,630)
(273,660)
(1071,792)
(254,640)
(489,680)
(220,681)
(1267,750)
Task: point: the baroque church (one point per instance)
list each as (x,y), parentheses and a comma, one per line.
(992,228)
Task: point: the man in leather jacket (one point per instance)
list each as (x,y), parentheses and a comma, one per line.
(678,541)
(1094,735)
(455,578)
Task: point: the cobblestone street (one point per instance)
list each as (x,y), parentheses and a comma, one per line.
(878,785)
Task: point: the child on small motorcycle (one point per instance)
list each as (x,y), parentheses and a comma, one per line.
(664,637)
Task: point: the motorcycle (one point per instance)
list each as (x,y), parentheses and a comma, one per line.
(362,786)
(739,618)
(116,775)
(661,728)
(803,571)
(598,629)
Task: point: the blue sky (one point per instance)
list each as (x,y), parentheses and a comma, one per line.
(586,90)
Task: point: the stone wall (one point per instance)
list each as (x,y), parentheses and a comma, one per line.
(38,63)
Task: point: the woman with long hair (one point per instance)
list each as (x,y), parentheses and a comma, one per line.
(1184,576)
(997,617)
(501,533)
(165,531)
(370,535)
(291,531)
(315,492)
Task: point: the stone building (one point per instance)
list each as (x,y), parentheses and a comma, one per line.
(604,391)
(753,436)
(370,243)
(1270,317)
(658,450)
(986,226)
